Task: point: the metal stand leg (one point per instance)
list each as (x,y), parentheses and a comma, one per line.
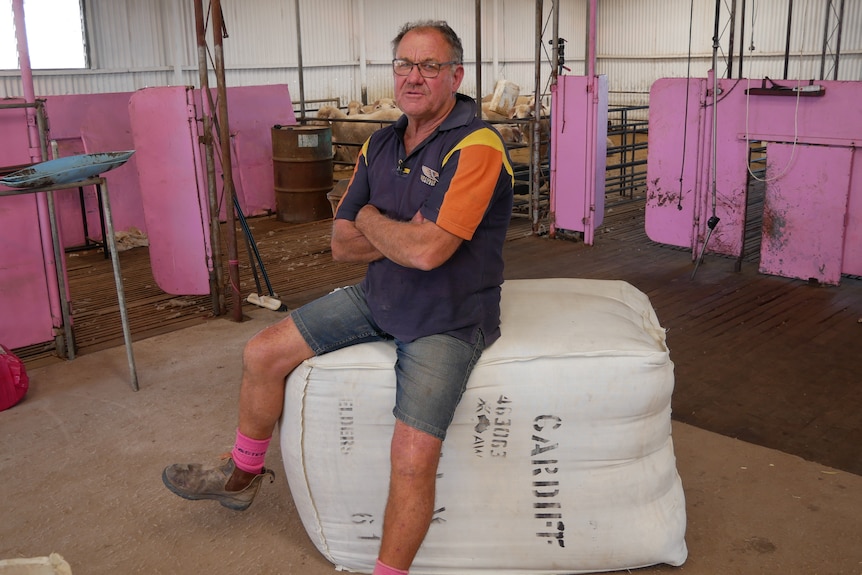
(84,224)
(102,224)
(110,241)
(61,283)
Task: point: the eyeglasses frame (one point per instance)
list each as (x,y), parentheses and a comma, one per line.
(418,66)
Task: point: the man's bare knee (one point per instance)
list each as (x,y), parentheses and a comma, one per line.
(414,452)
(276,350)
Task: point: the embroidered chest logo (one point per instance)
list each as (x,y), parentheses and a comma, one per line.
(429,176)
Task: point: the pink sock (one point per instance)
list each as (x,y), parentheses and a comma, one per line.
(383,569)
(248,453)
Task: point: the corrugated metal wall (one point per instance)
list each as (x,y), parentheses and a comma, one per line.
(642,41)
(140,43)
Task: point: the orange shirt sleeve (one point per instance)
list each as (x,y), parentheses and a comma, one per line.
(481,159)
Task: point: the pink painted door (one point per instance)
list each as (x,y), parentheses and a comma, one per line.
(166,126)
(579,113)
(253,110)
(175,205)
(92,123)
(804,211)
(674,160)
(25,302)
(814,198)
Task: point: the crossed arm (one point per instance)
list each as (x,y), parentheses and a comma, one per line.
(419,243)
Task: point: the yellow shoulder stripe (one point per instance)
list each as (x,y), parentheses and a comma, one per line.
(484,137)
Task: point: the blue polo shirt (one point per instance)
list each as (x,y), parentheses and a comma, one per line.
(460,178)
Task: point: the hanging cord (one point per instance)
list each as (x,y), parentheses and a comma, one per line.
(713,220)
(685,114)
(748,96)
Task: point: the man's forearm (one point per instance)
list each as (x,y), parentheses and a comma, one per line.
(416,244)
(386,235)
(350,245)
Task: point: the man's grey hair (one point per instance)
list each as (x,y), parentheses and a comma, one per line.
(455,48)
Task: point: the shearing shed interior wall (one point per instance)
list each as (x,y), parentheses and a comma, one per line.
(346,50)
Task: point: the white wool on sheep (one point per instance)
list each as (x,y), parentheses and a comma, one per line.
(559,458)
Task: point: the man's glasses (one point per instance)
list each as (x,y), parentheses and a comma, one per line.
(427,69)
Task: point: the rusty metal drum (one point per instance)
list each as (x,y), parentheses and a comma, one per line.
(302,169)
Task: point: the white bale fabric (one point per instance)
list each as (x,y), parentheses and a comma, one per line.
(559,458)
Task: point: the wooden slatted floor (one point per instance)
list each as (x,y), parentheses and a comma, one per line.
(774,361)
(770,360)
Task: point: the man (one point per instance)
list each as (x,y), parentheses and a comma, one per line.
(427,208)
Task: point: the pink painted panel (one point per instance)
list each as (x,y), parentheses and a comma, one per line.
(25,307)
(568,157)
(803,212)
(14,143)
(166,123)
(163,128)
(810,120)
(579,136)
(774,118)
(728,199)
(252,111)
(91,123)
(675,125)
(25,311)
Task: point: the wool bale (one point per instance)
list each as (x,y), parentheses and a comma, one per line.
(559,458)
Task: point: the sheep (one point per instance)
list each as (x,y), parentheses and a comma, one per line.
(323,117)
(354,132)
(524,111)
(384,104)
(511,133)
(330,112)
(354,107)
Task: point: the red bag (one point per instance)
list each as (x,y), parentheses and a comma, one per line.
(13,379)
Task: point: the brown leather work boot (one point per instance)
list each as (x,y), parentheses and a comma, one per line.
(194,481)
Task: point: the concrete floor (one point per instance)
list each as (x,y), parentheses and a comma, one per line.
(81,458)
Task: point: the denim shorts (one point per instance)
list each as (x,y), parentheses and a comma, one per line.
(431,372)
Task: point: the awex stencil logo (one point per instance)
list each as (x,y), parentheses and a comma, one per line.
(429,176)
